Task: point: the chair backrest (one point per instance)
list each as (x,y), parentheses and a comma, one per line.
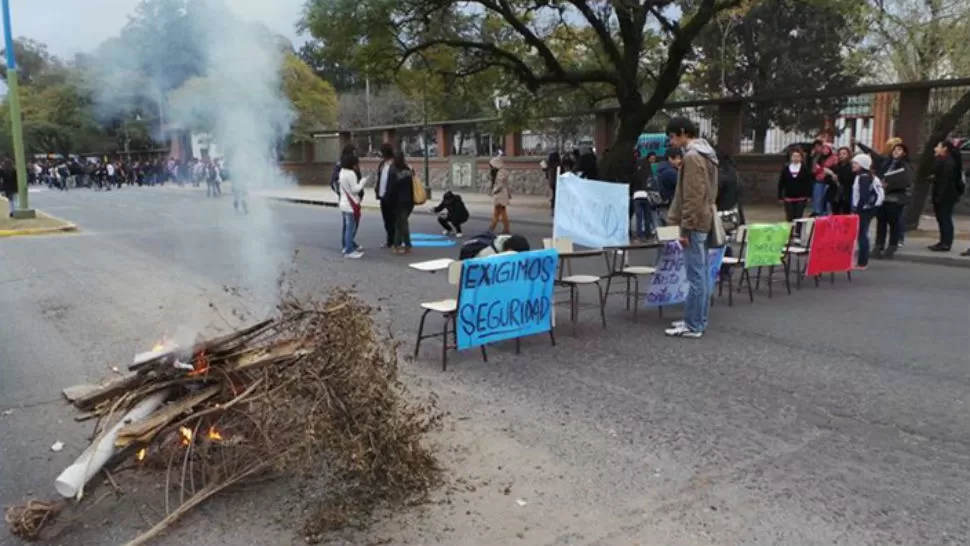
(668,233)
(561,244)
(803,237)
(454,273)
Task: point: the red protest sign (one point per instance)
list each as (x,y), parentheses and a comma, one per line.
(833,242)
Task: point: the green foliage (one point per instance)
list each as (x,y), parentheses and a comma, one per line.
(918,40)
(631,52)
(33,61)
(781,47)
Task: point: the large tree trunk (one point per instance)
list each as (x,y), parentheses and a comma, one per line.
(617,164)
(921,187)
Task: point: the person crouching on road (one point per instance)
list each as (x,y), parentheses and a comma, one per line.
(452,213)
(693,209)
(349,204)
(867,197)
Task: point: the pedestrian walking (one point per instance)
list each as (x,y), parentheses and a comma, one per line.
(452,213)
(8,183)
(867,196)
(501,195)
(693,209)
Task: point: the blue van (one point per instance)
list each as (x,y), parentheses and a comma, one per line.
(652,142)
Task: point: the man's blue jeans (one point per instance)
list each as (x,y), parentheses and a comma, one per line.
(644,215)
(819,206)
(349,230)
(699,297)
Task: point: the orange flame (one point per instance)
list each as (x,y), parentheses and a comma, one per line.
(186,435)
(142,453)
(201,365)
(214,434)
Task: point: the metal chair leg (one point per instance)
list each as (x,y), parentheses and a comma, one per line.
(552,336)
(730,279)
(599,288)
(627,293)
(757,283)
(636,296)
(771,277)
(444,344)
(573,306)
(417,346)
(485,355)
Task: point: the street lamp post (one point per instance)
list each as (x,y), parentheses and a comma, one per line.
(16,130)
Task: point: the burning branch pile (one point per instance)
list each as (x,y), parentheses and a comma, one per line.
(311,390)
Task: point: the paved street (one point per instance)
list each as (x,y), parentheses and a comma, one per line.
(837,415)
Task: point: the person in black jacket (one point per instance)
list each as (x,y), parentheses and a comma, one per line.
(842,202)
(897,177)
(641,184)
(795,182)
(400,195)
(9,184)
(452,213)
(947,182)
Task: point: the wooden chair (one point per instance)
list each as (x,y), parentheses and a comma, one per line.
(564,246)
(448,309)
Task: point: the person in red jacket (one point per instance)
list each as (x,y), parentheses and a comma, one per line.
(823,161)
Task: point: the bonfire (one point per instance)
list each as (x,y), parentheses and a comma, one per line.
(310,389)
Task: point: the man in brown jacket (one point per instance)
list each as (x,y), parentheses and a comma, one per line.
(693,210)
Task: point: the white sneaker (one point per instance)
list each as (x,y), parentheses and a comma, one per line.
(458,236)
(683,331)
(678,324)
(355,255)
(446,232)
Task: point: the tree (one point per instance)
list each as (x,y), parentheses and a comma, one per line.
(313,99)
(33,60)
(196,102)
(778,48)
(919,40)
(513,38)
(388,106)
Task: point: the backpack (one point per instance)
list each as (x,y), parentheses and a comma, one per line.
(417,191)
(474,245)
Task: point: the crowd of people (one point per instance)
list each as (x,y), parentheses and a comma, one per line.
(394,187)
(105,174)
(875,185)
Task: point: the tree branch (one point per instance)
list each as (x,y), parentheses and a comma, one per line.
(609,46)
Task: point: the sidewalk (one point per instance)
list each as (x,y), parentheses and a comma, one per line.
(534,210)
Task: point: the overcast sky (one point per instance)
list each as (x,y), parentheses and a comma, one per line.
(74,26)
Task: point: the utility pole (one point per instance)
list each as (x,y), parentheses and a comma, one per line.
(16,130)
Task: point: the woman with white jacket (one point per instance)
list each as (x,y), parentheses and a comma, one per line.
(350,186)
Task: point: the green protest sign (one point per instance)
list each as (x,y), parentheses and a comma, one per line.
(766,242)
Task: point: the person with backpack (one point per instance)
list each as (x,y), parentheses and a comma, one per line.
(948,186)
(400,192)
(452,213)
(867,197)
(350,209)
(897,178)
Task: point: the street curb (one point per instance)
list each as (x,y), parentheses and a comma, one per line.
(946,261)
(332,204)
(38,231)
(68,227)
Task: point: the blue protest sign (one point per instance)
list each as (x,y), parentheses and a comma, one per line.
(505,296)
(592,213)
(669,285)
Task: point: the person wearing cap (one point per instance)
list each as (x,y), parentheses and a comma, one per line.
(867,196)
(501,195)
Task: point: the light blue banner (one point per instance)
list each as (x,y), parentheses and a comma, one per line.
(505,296)
(669,285)
(592,213)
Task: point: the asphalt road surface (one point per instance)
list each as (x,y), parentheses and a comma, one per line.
(836,415)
